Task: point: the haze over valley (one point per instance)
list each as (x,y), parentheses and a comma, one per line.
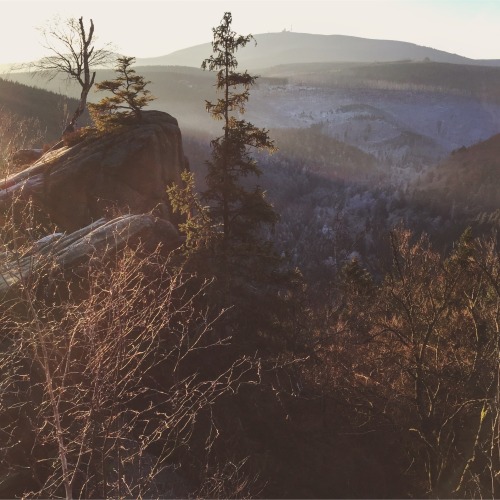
(407,107)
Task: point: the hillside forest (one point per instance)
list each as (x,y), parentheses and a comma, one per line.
(328,325)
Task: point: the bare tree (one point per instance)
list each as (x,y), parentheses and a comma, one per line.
(101,389)
(73,54)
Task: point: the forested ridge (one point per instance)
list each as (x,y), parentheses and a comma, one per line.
(47,110)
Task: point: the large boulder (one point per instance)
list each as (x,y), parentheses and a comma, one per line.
(103,194)
(126,171)
(100,240)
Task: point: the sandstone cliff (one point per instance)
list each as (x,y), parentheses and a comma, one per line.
(101,239)
(102,194)
(122,172)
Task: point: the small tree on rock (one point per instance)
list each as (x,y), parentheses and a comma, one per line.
(129,97)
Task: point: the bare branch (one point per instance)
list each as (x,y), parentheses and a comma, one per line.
(74,55)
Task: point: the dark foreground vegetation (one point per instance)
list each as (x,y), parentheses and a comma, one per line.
(126,380)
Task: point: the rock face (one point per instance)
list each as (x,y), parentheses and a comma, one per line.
(123,172)
(101,239)
(23,156)
(103,194)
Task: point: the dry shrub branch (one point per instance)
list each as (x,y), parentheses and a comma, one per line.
(102,387)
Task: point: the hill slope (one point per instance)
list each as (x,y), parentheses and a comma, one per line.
(472,173)
(467,181)
(33,103)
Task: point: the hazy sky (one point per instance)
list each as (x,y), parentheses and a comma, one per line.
(152,28)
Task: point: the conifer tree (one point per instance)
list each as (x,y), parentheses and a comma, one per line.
(239,211)
(225,228)
(251,277)
(129,97)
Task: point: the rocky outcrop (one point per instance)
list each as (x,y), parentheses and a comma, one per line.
(100,240)
(25,156)
(103,194)
(122,172)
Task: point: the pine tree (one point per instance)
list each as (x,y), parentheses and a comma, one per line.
(252,279)
(224,229)
(196,223)
(129,97)
(239,211)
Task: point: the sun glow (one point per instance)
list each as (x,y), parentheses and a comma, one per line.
(154,28)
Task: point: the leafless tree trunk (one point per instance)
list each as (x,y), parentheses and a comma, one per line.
(74,55)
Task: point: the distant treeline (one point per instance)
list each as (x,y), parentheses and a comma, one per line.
(476,81)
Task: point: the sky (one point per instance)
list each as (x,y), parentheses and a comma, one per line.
(145,28)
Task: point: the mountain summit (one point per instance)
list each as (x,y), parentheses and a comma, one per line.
(288,47)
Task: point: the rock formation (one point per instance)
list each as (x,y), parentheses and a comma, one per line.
(25,156)
(122,172)
(100,239)
(102,194)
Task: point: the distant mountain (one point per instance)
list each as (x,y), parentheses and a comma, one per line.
(488,62)
(289,48)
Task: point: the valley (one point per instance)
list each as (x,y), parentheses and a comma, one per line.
(359,146)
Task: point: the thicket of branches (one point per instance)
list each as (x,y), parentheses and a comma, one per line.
(104,393)
(16,133)
(413,363)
